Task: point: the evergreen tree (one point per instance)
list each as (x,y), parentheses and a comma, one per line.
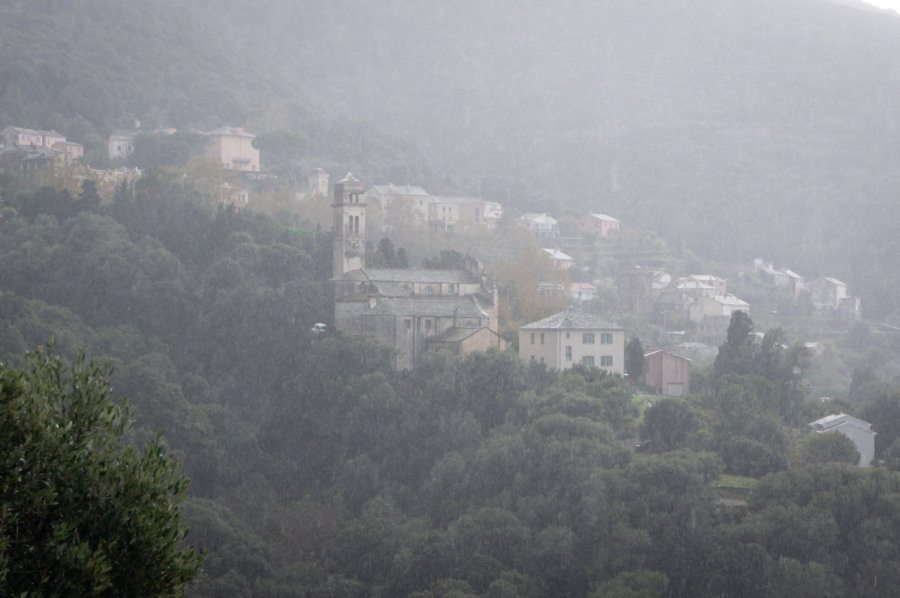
(634,358)
(83,514)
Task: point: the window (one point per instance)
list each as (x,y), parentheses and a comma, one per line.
(429,290)
(587,360)
(606,361)
(452,288)
(587,338)
(606,338)
(427,324)
(569,353)
(407,323)
(542,338)
(568,334)
(532,338)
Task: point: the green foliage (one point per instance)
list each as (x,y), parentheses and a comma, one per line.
(386,256)
(634,358)
(829,448)
(667,425)
(448,259)
(633,584)
(84,513)
(884,413)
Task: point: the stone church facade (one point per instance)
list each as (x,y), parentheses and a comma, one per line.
(412,310)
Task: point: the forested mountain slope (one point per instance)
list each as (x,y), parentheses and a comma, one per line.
(318,471)
(736,129)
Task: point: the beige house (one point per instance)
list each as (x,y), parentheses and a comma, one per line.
(444,212)
(233,147)
(668,373)
(716,306)
(574,336)
(414,193)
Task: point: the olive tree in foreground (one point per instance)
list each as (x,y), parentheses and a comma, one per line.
(81,512)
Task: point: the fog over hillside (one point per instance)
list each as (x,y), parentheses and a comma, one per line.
(735,129)
(458,408)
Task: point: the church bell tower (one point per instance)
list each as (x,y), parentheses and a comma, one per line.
(349,208)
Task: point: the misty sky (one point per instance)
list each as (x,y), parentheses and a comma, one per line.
(892,4)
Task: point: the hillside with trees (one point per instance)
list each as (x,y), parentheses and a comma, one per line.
(732,129)
(317,470)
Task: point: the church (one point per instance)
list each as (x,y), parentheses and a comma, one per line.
(412,310)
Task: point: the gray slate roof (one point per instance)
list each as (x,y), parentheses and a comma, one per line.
(454,335)
(439,307)
(572,319)
(401,275)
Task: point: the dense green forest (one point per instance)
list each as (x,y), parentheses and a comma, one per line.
(317,471)
(734,129)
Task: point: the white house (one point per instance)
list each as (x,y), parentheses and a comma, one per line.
(857,430)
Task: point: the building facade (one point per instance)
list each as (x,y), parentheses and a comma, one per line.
(411,310)
(668,373)
(233,146)
(599,225)
(857,430)
(574,336)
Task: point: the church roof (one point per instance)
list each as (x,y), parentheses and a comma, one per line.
(405,190)
(454,335)
(439,307)
(572,319)
(401,275)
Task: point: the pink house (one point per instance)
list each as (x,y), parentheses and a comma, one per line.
(70,149)
(598,224)
(22,137)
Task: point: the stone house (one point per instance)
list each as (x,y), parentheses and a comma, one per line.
(120,145)
(411,310)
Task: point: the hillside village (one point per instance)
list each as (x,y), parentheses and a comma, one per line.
(516,300)
(430,309)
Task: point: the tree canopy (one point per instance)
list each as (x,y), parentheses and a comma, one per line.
(84,513)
